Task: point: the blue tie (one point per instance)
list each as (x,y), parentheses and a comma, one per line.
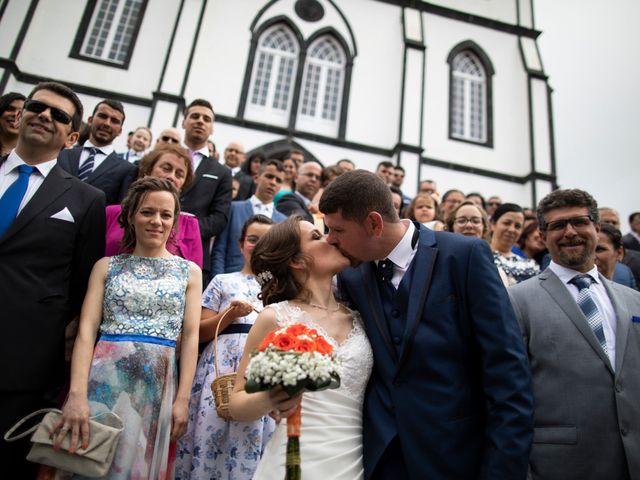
(10,201)
(87,166)
(589,307)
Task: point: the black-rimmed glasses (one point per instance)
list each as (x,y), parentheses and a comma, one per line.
(58,115)
(579,222)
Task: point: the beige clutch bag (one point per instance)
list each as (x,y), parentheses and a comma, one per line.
(93,461)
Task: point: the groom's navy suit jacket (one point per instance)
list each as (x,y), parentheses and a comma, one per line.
(456,388)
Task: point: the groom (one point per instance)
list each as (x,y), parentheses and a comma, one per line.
(450,393)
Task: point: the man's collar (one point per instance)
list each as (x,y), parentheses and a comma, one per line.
(107,149)
(204,151)
(256,201)
(402,254)
(566,274)
(14,160)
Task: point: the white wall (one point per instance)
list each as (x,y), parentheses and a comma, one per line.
(501,10)
(50,38)
(510,152)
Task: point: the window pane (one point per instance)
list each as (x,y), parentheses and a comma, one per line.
(112,29)
(468,98)
(323,84)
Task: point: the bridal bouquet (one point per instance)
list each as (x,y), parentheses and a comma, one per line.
(297,358)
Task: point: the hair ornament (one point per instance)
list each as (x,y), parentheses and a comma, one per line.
(264,277)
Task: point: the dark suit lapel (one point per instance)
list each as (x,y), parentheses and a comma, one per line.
(109,163)
(53,186)
(197,175)
(73,160)
(622,322)
(376,309)
(555,288)
(423,265)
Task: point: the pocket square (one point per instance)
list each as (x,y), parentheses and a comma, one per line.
(635,319)
(208,175)
(65,215)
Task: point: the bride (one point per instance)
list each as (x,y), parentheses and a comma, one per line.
(298,289)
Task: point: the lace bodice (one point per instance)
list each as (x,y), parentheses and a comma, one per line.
(145,296)
(354,354)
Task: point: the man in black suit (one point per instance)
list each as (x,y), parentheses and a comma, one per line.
(308,181)
(96,162)
(209,195)
(52,229)
(631,240)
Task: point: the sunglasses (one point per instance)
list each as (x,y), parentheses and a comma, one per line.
(167,139)
(58,115)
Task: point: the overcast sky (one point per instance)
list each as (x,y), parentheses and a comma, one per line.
(589,50)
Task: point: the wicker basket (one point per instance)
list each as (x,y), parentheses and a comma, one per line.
(222,385)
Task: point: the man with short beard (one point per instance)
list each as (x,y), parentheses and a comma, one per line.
(96,162)
(580,331)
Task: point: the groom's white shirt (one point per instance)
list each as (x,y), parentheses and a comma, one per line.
(402,254)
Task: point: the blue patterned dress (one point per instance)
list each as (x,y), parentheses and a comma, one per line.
(516,268)
(214,447)
(133,371)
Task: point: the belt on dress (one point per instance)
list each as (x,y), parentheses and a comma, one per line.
(236,328)
(135,337)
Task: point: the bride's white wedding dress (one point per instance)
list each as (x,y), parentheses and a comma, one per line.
(331,433)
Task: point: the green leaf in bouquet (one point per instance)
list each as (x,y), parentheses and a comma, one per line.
(252,386)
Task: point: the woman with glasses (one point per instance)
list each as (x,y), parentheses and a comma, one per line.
(468,219)
(506,226)
(214,447)
(174,164)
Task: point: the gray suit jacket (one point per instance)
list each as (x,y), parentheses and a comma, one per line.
(587,414)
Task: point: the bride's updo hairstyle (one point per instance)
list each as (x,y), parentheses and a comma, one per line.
(270,261)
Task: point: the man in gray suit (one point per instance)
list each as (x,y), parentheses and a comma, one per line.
(582,335)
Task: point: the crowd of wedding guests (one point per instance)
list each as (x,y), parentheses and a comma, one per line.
(58,172)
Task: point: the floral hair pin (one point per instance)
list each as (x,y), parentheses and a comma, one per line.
(264,277)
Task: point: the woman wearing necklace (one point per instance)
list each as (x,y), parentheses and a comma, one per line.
(296,266)
(138,304)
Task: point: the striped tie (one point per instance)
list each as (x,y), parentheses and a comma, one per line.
(589,307)
(87,166)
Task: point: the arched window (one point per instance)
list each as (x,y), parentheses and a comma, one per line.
(273,76)
(322,87)
(470,95)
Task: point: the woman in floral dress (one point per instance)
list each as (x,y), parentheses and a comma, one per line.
(139,304)
(214,447)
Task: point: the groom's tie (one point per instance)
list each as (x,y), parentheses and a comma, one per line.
(589,307)
(385,271)
(87,166)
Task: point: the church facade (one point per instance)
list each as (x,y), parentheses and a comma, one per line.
(452,90)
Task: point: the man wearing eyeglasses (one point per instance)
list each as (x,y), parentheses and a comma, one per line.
(582,335)
(52,231)
(96,162)
(308,182)
(234,156)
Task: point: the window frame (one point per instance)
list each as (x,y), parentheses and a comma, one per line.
(257,33)
(86,26)
(268,112)
(486,65)
(316,123)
